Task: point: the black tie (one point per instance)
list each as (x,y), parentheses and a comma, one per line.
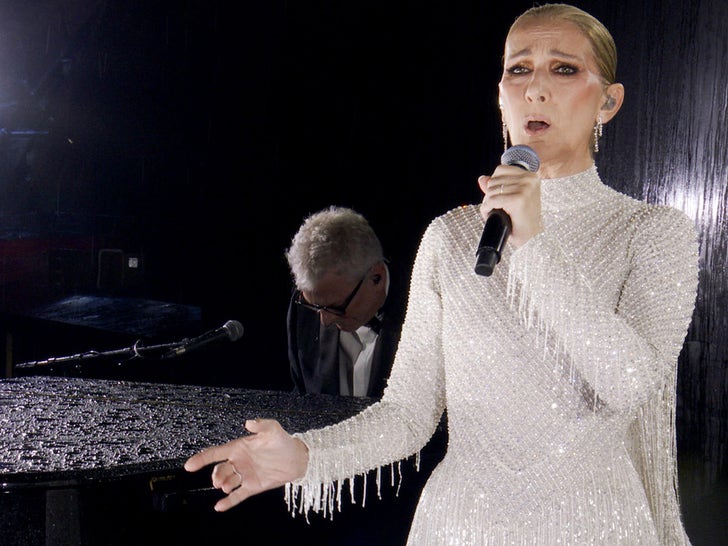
(375,324)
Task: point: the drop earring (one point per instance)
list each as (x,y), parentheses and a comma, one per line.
(504,129)
(597,133)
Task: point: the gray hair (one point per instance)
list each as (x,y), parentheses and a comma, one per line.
(336,239)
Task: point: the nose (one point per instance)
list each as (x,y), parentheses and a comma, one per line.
(537,89)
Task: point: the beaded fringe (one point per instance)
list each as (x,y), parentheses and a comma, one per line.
(490,493)
(326,497)
(653,435)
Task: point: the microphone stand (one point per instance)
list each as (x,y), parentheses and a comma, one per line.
(135,351)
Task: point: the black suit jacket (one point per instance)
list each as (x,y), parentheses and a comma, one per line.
(313,350)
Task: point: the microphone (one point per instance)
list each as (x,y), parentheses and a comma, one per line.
(498,224)
(231,330)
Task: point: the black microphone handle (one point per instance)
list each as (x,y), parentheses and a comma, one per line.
(495,234)
(498,225)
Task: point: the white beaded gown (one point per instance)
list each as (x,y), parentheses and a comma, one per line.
(558,374)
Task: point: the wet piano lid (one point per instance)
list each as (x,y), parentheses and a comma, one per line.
(73,430)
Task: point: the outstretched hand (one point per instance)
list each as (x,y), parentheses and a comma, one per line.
(267,458)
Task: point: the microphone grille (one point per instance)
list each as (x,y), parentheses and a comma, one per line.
(234,329)
(522,156)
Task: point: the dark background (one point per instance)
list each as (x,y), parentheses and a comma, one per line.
(195,136)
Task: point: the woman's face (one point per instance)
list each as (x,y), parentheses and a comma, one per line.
(551,93)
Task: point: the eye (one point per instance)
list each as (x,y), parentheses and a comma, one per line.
(518,69)
(566,70)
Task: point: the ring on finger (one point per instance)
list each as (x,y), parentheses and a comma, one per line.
(237,473)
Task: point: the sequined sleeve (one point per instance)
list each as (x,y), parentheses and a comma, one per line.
(623,353)
(402,422)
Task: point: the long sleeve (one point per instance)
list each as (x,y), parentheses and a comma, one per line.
(622,344)
(402,422)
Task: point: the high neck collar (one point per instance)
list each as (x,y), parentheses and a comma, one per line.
(573,191)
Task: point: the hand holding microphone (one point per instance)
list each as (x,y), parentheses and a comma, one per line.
(498,225)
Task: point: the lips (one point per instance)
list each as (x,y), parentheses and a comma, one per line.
(536,126)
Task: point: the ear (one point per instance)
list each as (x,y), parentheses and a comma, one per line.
(614,99)
(378,271)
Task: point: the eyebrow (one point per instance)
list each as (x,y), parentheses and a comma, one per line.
(556,52)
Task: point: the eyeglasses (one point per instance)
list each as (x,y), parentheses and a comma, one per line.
(338,310)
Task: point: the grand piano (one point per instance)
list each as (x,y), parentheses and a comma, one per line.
(92,449)
(99,462)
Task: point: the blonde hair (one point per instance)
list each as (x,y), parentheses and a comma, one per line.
(605,50)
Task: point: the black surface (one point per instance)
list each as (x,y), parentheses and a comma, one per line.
(68,430)
(134,316)
(89,461)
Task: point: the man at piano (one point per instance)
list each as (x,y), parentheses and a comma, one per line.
(346,311)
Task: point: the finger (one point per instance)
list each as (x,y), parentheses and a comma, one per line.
(225,477)
(227,481)
(256,426)
(223,452)
(206,457)
(485,208)
(483,183)
(233,499)
(245,490)
(495,187)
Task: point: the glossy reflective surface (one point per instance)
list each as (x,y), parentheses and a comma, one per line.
(65,429)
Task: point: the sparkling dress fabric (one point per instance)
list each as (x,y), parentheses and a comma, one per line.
(558,374)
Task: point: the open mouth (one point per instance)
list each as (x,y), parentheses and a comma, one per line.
(536,126)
